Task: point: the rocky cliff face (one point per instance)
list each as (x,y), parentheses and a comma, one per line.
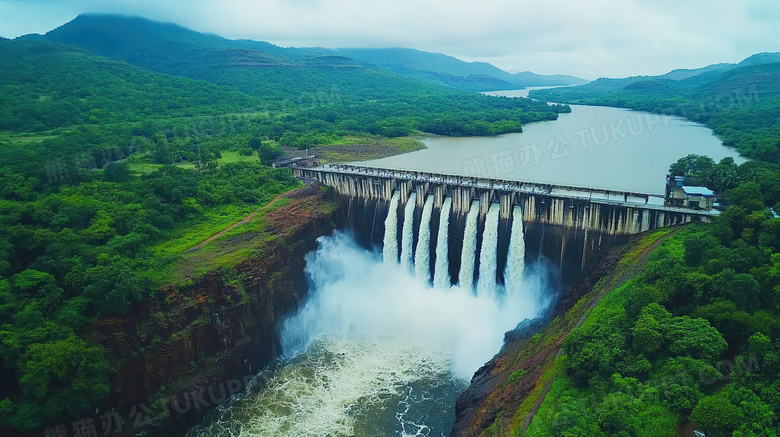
(193,346)
(506,392)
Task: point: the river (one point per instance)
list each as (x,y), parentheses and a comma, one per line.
(593,146)
(376,351)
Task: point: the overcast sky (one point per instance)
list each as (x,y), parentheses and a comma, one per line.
(586,38)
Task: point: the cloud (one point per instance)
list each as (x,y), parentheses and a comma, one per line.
(594,38)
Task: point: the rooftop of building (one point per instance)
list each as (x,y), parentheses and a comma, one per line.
(698,191)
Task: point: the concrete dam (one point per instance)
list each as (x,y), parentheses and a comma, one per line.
(456,229)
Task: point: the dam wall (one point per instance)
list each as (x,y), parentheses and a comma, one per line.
(563,226)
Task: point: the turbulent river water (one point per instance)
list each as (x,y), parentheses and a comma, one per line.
(382,346)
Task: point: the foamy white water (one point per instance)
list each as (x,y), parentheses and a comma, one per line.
(390,248)
(422,256)
(407,237)
(468,255)
(441,273)
(486,284)
(515,265)
(328,390)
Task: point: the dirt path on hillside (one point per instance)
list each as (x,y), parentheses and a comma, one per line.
(242,222)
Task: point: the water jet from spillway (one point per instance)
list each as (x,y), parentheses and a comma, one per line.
(441,274)
(422,256)
(515,266)
(407,235)
(468,254)
(486,284)
(390,249)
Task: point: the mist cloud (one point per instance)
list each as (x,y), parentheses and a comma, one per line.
(355,295)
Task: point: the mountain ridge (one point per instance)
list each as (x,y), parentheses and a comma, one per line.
(419,63)
(161,47)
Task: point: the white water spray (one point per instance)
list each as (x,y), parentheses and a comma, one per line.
(422,256)
(515,265)
(486,284)
(390,249)
(357,296)
(468,254)
(407,237)
(441,273)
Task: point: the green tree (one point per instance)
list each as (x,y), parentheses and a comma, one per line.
(63,379)
(116,172)
(255,143)
(717,415)
(696,248)
(748,195)
(694,338)
(114,284)
(268,153)
(162,153)
(647,332)
(693,166)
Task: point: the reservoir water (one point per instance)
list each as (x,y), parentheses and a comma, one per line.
(593,146)
(383,346)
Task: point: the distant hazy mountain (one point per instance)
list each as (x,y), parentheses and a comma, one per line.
(707,80)
(683,73)
(479,76)
(411,59)
(761,58)
(680,78)
(528,78)
(132,37)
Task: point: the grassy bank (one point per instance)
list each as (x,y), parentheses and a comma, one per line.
(357,148)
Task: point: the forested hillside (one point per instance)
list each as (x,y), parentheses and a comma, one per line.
(78,219)
(694,340)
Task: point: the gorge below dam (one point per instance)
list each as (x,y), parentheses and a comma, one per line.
(409,299)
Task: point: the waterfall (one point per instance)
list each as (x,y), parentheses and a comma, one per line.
(390,249)
(441,274)
(422,256)
(466,274)
(487,256)
(408,234)
(515,265)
